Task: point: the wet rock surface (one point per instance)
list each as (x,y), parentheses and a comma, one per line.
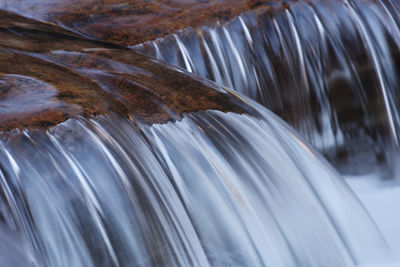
(129,22)
(48,75)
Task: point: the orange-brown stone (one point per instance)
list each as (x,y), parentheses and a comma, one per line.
(48,75)
(130,22)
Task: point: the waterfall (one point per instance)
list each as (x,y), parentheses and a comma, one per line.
(113,158)
(329,68)
(214,189)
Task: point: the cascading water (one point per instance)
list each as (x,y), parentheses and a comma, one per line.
(329,68)
(215,189)
(207,188)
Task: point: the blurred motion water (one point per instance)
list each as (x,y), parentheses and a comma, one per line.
(205,188)
(215,189)
(329,68)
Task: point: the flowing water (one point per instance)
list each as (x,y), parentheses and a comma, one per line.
(225,189)
(215,189)
(329,68)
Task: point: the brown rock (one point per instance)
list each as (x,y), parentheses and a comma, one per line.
(48,75)
(130,22)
